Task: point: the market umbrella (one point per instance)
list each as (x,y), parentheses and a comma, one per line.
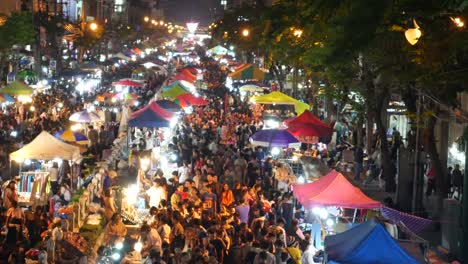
(169,105)
(85,117)
(306,126)
(73,137)
(17,88)
(251,88)
(6,98)
(273,138)
(192,99)
(127,83)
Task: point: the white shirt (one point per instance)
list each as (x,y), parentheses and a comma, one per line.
(53,174)
(155,195)
(183,174)
(308,255)
(154,240)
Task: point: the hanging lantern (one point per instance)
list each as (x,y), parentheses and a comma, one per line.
(413,34)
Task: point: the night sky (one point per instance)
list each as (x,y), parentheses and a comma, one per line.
(184,11)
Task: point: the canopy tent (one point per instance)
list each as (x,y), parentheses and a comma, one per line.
(122,56)
(250,88)
(218,50)
(273,138)
(139,70)
(307,125)
(127,83)
(85,117)
(280,98)
(46,147)
(169,105)
(72,137)
(89,66)
(333,189)
(366,243)
(17,88)
(188,86)
(174,92)
(184,77)
(191,99)
(249,72)
(192,69)
(6,98)
(152,116)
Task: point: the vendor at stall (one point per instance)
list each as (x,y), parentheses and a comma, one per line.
(115,230)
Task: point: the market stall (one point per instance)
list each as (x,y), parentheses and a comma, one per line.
(368,242)
(44,147)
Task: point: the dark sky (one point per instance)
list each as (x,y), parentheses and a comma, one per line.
(183,11)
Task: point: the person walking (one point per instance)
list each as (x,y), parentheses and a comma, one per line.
(358,160)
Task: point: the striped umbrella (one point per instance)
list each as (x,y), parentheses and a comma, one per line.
(85,117)
(6,98)
(72,137)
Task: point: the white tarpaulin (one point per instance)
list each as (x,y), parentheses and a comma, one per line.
(46,147)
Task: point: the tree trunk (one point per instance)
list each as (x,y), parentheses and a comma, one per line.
(388,168)
(279,75)
(431,149)
(369,132)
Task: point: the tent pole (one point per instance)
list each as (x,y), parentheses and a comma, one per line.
(354,216)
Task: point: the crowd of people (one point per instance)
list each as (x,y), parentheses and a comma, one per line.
(222,204)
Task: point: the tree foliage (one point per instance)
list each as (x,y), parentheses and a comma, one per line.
(17,30)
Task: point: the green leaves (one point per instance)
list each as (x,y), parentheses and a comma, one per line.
(17,30)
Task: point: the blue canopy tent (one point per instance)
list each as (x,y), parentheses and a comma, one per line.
(366,243)
(151,116)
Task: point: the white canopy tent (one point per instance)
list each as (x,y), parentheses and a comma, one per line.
(46,147)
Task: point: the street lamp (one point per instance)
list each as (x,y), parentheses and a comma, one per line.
(458,22)
(413,34)
(297,32)
(93,26)
(146,19)
(245,32)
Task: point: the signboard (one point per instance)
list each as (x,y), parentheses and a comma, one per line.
(53,64)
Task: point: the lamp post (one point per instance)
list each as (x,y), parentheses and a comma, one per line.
(245,32)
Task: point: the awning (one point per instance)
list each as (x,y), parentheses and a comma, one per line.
(333,189)
(46,147)
(152,116)
(250,72)
(280,98)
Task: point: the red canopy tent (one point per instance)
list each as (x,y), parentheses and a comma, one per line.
(307,125)
(183,77)
(333,189)
(189,99)
(154,107)
(127,83)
